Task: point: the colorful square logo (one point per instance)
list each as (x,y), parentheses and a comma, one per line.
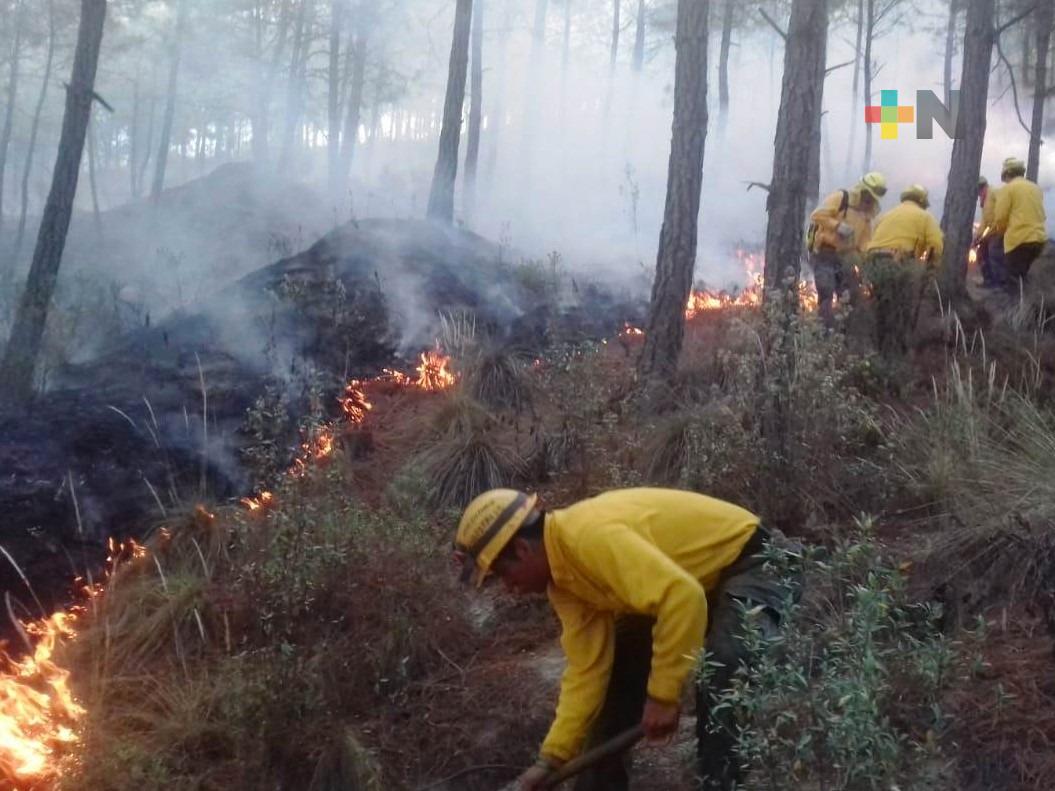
(889,114)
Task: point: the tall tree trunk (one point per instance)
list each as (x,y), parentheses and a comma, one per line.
(639,37)
(23,347)
(796,154)
(441,196)
(33,130)
(676,258)
(855,111)
(565,60)
(333,131)
(798,120)
(1045,11)
(531,95)
(149,141)
(295,84)
(353,106)
(616,25)
(93,186)
(870,23)
(723,57)
(950,47)
(12,97)
(133,141)
(962,191)
(261,121)
(813,173)
(476,110)
(161,163)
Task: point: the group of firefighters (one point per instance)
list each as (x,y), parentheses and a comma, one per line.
(643,580)
(848,238)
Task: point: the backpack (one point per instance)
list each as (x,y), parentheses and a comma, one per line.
(811,232)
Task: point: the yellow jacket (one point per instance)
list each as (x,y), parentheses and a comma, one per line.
(908,228)
(648,551)
(1019,214)
(988,210)
(827,218)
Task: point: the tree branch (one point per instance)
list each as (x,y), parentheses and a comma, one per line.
(776,27)
(1014,21)
(758,184)
(1014,86)
(830,69)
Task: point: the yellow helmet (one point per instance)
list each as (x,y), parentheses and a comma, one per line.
(1012,167)
(487,525)
(916,193)
(874,183)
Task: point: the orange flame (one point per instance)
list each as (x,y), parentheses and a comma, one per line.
(630,331)
(433,373)
(38,714)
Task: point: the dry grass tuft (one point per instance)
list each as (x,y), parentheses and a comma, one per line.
(498,378)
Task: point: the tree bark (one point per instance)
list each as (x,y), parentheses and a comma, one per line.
(92,183)
(616,25)
(1045,11)
(333,131)
(723,57)
(476,114)
(639,36)
(33,130)
(23,347)
(12,97)
(133,141)
(870,22)
(441,196)
(950,47)
(856,108)
(962,191)
(149,142)
(796,156)
(354,105)
(796,148)
(262,111)
(161,163)
(676,258)
(295,84)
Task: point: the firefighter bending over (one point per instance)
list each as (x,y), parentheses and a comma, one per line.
(638,578)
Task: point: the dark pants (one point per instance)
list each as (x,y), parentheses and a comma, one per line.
(1018,263)
(716,733)
(833,274)
(994,270)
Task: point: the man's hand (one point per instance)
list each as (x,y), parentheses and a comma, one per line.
(845,231)
(660,720)
(534,777)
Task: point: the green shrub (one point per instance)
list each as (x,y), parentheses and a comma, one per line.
(846,695)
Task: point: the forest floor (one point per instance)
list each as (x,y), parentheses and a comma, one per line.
(920,657)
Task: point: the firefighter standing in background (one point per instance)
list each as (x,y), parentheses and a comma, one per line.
(1018,214)
(638,578)
(907,243)
(992,243)
(840,230)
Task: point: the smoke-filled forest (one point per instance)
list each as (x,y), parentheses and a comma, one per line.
(526,394)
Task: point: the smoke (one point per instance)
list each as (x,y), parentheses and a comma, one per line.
(574,152)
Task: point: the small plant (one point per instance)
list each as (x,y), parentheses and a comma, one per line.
(844,695)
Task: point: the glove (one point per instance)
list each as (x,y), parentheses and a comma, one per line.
(845,231)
